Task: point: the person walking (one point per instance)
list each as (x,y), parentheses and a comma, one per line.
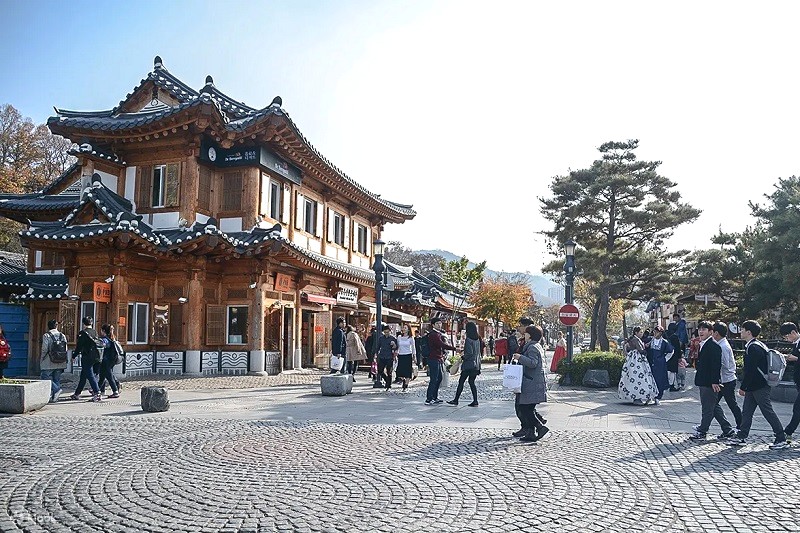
(53,361)
(386,354)
(790,333)
(5,352)
(707,380)
(355,351)
(436,347)
(370,343)
(673,362)
(339,345)
(418,349)
(108,361)
(88,348)
(490,344)
(755,389)
(658,353)
(728,373)
(560,353)
(406,352)
(694,349)
(513,346)
(636,383)
(534,386)
(470,364)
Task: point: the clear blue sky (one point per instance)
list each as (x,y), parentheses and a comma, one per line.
(464,108)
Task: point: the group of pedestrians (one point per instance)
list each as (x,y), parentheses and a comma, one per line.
(651,367)
(716,379)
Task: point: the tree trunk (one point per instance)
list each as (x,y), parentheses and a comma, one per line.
(593,330)
(624,325)
(602,317)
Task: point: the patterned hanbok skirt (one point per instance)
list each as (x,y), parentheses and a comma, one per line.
(637,381)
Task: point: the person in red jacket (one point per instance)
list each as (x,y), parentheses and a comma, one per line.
(436,345)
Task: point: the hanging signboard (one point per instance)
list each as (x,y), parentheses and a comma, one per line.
(102,292)
(347,295)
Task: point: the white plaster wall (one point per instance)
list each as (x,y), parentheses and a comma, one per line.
(230,224)
(330,251)
(300,239)
(165,220)
(130,183)
(201,218)
(341,255)
(315,245)
(359,261)
(109,180)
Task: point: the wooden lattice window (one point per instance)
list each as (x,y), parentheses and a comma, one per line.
(272,294)
(139,290)
(52,259)
(232,191)
(87,291)
(122,322)
(210,293)
(237,294)
(215,325)
(176,324)
(68,318)
(204,188)
(172,292)
(287,297)
(159,332)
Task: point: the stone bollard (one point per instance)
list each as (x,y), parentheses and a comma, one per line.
(598,379)
(349,383)
(335,384)
(155,399)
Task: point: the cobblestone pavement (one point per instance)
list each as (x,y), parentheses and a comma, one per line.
(164,475)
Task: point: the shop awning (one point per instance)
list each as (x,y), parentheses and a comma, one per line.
(394,313)
(319,299)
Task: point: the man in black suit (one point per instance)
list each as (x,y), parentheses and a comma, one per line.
(707,380)
(339,344)
(790,332)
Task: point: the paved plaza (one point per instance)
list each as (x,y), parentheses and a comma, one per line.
(280,457)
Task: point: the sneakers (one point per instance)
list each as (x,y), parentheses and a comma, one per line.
(74,397)
(428,402)
(56,396)
(696,428)
(453,402)
(729,435)
(115,395)
(97,398)
(779,445)
(697,436)
(473,404)
(542,432)
(657,401)
(736,441)
(437,400)
(789,438)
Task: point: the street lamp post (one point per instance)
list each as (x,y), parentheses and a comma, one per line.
(569,270)
(378,266)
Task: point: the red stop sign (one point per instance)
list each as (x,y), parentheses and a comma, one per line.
(568,315)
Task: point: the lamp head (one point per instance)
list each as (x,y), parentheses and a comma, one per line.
(377,247)
(569,248)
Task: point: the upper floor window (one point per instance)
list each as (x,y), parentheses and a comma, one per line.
(310,216)
(205,188)
(361,243)
(337,231)
(271,198)
(166,185)
(232,184)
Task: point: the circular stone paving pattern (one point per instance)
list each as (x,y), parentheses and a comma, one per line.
(160,474)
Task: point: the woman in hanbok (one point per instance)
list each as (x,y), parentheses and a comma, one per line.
(561,352)
(659,351)
(636,384)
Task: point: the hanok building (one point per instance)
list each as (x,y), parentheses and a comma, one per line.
(212,234)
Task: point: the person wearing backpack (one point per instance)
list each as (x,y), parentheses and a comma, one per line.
(790,332)
(54,358)
(112,355)
(88,347)
(755,389)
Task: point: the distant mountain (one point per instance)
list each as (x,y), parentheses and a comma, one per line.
(540,285)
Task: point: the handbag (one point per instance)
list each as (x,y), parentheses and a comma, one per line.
(512,378)
(336,362)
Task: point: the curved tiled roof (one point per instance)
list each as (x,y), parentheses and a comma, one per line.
(69,175)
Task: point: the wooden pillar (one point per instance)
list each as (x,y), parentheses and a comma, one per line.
(190,184)
(256,330)
(194,317)
(298,329)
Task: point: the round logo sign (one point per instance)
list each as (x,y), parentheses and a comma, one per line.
(568,315)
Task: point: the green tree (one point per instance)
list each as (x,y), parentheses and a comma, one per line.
(620,211)
(460,279)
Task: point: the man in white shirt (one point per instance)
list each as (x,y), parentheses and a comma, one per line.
(728,373)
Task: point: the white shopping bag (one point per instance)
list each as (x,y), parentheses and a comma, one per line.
(336,362)
(512,377)
(445,379)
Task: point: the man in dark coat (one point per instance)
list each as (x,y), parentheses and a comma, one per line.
(790,332)
(755,389)
(707,380)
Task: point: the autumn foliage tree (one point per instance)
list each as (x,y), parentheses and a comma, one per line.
(501,300)
(30,158)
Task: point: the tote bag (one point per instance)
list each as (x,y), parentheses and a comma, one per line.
(512,377)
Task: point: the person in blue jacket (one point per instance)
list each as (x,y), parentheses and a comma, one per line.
(659,351)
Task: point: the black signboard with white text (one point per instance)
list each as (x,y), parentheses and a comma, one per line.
(246,156)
